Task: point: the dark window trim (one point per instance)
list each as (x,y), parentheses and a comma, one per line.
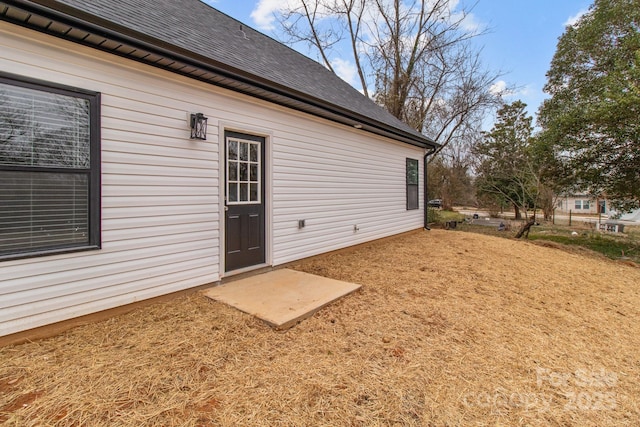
(93,172)
(412,187)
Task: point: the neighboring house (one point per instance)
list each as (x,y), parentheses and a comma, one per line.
(581,204)
(106,200)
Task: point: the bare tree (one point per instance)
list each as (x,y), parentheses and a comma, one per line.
(450,174)
(416,57)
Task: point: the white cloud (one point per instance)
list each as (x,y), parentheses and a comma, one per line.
(525,91)
(498,88)
(502,88)
(472,24)
(468,22)
(263,14)
(573,20)
(265,11)
(346,70)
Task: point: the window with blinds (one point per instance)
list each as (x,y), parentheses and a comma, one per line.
(49,168)
(412,184)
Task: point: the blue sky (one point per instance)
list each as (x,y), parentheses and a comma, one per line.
(521,42)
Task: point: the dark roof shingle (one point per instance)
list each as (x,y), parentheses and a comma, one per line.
(195,27)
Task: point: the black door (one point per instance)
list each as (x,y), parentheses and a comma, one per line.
(244,200)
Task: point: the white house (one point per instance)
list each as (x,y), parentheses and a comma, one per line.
(105,197)
(581,204)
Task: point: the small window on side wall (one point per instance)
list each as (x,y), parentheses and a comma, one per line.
(412,184)
(49,168)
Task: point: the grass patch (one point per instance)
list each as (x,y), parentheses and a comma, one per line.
(611,247)
(488,230)
(451,216)
(437,216)
(618,247)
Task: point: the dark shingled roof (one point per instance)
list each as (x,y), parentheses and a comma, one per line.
(216,44)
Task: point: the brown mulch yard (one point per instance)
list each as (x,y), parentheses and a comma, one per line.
(449,329)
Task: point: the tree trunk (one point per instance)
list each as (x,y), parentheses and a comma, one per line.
(516,209)
(524,230)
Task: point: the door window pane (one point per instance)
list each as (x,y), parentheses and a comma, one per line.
(233,192)
(244,151)
(244,192)
(233,171)
(233,150)
(244,176)
(243,171)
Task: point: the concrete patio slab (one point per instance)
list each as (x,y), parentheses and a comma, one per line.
(283,297)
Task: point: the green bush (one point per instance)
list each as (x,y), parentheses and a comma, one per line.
(433,216)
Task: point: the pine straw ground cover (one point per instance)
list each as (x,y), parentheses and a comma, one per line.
(449,328)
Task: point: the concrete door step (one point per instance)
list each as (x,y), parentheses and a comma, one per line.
(283,297)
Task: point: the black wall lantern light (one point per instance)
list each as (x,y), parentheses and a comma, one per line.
(198,124)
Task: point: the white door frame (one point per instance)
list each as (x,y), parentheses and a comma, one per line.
(268,193)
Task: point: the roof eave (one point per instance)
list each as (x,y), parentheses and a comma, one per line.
(170,57)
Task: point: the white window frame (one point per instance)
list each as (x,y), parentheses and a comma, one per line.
(249,163)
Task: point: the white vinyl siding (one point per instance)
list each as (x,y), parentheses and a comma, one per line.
(337,181)
(161,222)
